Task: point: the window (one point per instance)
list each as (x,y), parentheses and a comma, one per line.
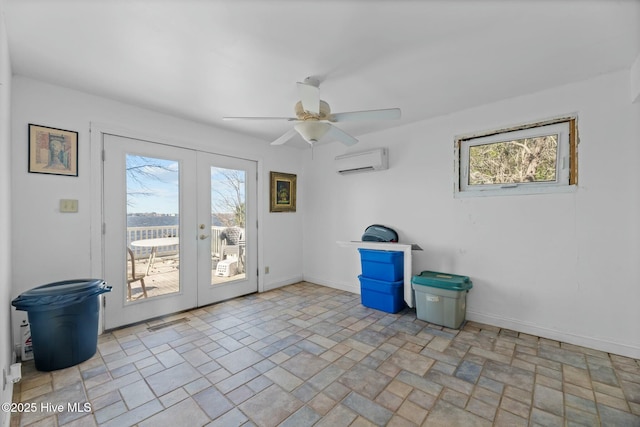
(529,159)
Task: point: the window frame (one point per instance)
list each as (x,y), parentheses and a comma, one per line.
(566,158)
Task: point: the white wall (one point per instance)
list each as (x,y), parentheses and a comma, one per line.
(6,354)
(634,80)
(563,266)
(49,246)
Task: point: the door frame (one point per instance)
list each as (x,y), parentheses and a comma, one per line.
(96,131)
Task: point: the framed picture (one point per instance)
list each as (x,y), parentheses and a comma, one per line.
(283,192)
(53,151)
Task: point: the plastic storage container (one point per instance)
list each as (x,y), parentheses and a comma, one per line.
(441,298)
(382,295)
(382,265)
(64,321)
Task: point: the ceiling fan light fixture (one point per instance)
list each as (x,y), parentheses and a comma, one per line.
(314,118)
(312,131)
(323,114)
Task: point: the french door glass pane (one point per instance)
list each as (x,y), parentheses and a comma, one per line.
(153,227)
(228,216)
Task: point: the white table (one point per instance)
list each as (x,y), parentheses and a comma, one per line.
(153,244)
(400,247)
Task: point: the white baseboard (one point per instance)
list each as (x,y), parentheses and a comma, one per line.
(355,289)
(532,329)
(280,283)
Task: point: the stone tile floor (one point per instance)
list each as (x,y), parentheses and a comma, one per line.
(309,355)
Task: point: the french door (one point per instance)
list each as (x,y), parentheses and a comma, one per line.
(227,227)
(180,229)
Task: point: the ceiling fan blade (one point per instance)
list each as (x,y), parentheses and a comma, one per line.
(289,119)
(340,135)
(284,138)
(309,96)
(385,114)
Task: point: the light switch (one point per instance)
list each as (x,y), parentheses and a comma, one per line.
(69,205)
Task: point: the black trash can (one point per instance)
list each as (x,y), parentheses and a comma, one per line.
(64,321)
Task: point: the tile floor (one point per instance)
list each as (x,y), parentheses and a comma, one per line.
(309,355)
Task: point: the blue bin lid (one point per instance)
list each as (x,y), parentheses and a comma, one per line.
(448,281)
(59,294)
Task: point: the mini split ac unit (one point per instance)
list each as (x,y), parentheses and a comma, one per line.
(363,161)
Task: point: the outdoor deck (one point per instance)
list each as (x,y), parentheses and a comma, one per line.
(164,276)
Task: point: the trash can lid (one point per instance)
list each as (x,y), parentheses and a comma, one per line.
(434,279)
(64,287)
(59,294)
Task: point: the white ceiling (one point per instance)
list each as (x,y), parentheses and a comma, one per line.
(205,59)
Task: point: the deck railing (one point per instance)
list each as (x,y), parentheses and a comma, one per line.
(159,231)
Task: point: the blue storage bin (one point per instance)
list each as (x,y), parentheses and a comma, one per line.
(382,265)
(381,295)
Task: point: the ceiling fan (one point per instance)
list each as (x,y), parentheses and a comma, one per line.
(314,118)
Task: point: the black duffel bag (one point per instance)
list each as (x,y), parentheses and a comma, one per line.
(379,233)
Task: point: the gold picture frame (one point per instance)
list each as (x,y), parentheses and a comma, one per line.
(283,192)
(53,151)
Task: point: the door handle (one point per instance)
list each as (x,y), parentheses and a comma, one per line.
(203,236)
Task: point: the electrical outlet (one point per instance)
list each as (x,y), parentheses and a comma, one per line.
(68,205)
(266,270)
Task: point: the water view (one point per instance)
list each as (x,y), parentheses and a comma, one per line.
(153,219)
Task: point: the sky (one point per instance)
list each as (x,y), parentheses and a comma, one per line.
(152,185)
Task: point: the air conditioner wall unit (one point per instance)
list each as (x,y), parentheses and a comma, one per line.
(363,161)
